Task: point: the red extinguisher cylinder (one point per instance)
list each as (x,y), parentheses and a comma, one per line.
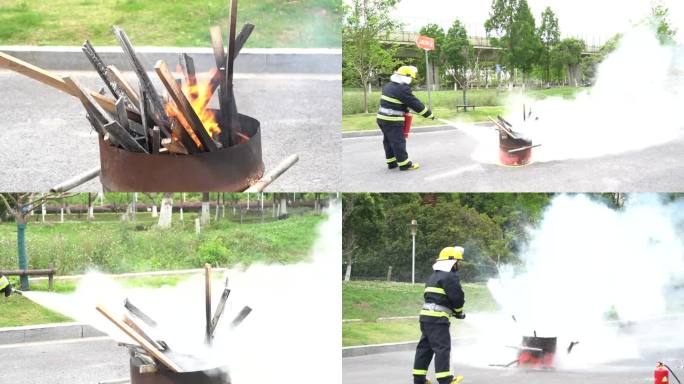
(408,120)
(661,375)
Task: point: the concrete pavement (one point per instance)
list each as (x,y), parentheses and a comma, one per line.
(45,137)
(657,339)
(447,166)
(80,361)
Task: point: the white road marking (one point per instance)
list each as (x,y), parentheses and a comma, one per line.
(455,172)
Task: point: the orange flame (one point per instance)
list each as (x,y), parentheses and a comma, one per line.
(199,95)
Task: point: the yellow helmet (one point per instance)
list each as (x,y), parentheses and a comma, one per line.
(407,70)
(451,253)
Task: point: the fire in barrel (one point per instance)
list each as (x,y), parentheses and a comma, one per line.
(514,149)
(537,352)
(154,361)
(152,142)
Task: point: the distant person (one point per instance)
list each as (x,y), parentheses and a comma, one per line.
(5,285)
(444,298)
(395,102)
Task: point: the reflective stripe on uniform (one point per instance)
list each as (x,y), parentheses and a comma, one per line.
(392,160)
(390,112)
(440,375)
(3,283)
(391,99)
(458,309)
(423,111)
(426,312)
(435,290)
(390,118)
(420,372)
(402,163)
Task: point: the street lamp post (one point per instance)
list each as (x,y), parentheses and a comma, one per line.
(414,229)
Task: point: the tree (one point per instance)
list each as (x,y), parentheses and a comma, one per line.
(659,20)
(20,206)
(568,55)
(549,35)
(513,23)
(362,226)
(166,211)
(363,55)
(460,59)
(436,32)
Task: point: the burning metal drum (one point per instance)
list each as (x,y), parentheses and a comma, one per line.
(537,352)
(514,151)
(162,375)
(228,169)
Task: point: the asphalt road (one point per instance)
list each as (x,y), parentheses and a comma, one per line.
(83,361)
(654,345)
(46,139)
(447,166)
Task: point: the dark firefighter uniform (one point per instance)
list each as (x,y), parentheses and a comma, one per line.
(5,286)
(443,298)
(396,100)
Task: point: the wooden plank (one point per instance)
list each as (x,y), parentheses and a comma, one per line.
(144,116)
(122,84)
(219,48)
(230,58)
(131,323)
(231,122)
(183,136)
(93,108)
(139,313)
(242,37)
(240,317)
(157,110)
(100,68)
(54,81)
(149,348)
(156,140)
(184,106)
(124,138)
(190,70)
(219,310)
(121,115)
(174,147)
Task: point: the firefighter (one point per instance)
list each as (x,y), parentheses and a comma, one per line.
(396,100)
(444,298)
(5,285)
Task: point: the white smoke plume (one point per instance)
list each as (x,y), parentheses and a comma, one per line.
(589,273)
(291,335)
(632,106)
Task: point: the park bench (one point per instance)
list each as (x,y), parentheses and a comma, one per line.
(465,107)
(49,272)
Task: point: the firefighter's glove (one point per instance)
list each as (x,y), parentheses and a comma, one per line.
(459,315)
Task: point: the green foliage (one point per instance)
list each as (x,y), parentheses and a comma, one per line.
(491,227)
(660,21)
(549,35)
(457,53)
(513,23)
(363,55)
(364,218)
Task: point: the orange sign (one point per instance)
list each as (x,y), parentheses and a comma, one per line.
(426,43)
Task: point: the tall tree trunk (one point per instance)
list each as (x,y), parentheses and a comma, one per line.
(166,213)
(348,270)
(365,96)
(21,248)
(205,216)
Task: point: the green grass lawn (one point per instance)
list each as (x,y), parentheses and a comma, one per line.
(366,121)
(69,286)
(302,23)
(370,300)
(18,310)
(75,247)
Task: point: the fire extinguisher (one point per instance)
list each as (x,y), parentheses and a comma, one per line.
(662,374)
(408,120)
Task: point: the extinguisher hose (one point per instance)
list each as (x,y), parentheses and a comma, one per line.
(673,374)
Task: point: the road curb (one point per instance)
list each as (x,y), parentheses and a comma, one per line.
(47,332)
(374,349)
(250,60)
(435,128)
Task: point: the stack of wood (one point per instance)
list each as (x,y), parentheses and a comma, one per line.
(137,119)
(142,329)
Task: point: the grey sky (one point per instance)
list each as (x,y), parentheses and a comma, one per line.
(593,20)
